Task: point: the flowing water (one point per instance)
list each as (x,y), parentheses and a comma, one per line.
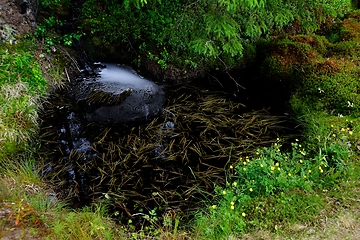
(171,160)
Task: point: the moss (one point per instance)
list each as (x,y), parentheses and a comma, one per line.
(321,74)
(292,58)
(336,93)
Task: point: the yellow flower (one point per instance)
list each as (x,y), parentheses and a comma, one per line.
(250,189)
(278,150)
(303,152)
(301,161)
(272,168)
(334,135)
(279,169)
(235,183)
(350,132)
(232,203)
(244,168)
(257,153)
(224,192)
(213,206)
(275,144)
(240,158)
(232,207)
(231,167)
(296,140)
(343,129)
(289,174)
(244,163)
(331,125)
(277,164)
(309,171)
(304,176)
(243,214)
(277,139)
(261,165)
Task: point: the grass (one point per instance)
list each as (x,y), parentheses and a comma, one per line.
(307,189)
(28,206)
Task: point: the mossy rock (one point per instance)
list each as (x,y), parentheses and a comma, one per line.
(292,58)
(336,93)
(324,75)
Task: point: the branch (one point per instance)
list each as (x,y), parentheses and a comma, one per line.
(227,72)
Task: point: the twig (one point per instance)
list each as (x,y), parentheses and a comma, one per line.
(227,72)
(67,75)
(72,59)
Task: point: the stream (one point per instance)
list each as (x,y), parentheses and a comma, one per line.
(141,146)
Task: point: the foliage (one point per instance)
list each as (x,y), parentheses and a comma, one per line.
(204,32)
(21,85)
(274,177)
(92,221)
(20,212)
(46,32)
(293,182)
(319,71)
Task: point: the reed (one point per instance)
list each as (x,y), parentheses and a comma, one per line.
(172,162)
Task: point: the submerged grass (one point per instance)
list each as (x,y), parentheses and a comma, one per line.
(166,165)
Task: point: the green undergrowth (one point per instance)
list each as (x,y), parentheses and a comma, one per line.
(33,209)
(277,188)
(321,71)
(21,86)
(307,181)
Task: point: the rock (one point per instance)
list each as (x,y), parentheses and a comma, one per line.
(118,95)
(29,8)
(7,34)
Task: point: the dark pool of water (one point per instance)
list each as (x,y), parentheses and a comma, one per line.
(172,161)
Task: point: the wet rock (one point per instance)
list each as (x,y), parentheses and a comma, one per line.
(29,8)
(118,95)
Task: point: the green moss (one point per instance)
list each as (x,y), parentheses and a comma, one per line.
(321,74)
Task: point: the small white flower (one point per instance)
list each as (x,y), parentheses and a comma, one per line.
(320,90)
(350,104)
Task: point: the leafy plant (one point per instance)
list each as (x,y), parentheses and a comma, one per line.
(21,212)
(201,31)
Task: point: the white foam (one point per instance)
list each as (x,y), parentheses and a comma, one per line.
(126,76)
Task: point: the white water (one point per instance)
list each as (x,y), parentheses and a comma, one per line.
(114,73)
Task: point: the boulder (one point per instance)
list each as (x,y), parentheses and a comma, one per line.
(29,8)
(118,95)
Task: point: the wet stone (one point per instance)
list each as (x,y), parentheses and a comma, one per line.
(118,95)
